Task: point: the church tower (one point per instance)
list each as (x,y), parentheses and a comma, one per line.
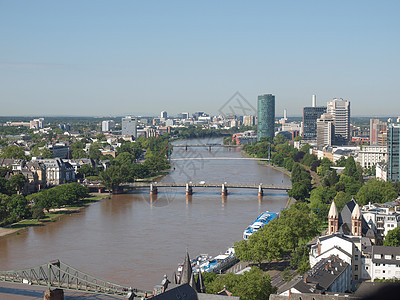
(333,219)
(356,221)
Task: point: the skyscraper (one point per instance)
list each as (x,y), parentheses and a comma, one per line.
(325,130)
(377,132)
(164,115)
(340,110)
(266,116)
(394,153)
(129,125)
(310,116)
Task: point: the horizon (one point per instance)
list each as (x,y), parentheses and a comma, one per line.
(102,58)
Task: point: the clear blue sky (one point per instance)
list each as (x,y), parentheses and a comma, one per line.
(136,57)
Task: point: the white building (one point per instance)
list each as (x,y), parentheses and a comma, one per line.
(340,110)
(381,218)
(325,130)
(107,125)
(369,156)
(381,171)
(129,126)
(382,263)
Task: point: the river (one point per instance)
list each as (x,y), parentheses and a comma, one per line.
(133,240)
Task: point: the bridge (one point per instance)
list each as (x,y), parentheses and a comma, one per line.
(219,158)
(153,186)
(209,146)
(58,275)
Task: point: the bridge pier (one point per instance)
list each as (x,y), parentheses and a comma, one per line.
(209,148)
(57,294)
(153,189)
(189,189)
(224,190)
(260,191)
(186,148)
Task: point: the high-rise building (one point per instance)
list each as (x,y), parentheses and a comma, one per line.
(377,132)
(393,153)
(325,130)
(249,120)
(340,110)
(164,115)
(107,125)
(310,116)
(129,126)
(266,116)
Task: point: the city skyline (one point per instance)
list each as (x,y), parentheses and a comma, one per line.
(98,58)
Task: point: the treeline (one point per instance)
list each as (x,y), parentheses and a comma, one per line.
(16,207)
(125,168)
(251,285)
(192,131)
(326,184)
(285,237)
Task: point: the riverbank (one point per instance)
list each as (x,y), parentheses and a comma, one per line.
(52,216)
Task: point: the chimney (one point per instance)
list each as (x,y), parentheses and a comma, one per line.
(305,278)
(314,100)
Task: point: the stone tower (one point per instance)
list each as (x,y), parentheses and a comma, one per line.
(333,219)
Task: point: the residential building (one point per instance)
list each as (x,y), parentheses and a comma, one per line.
(340,110)
(107,125)
(394,152)
(377,132)
(60,150)
(36,123)
(382,263)
(330,274)
(381,218)
(325,130)
(57,172)
(369,156)
(246,137)
(310,116)
(129,126)
(266,116)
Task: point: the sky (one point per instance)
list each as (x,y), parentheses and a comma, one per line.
(111,58)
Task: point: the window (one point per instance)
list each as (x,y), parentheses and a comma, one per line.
(355,267)
(388,257)
(377,264)
(383,271)
(356,257)
(366,268)
(356,277)
(378,256)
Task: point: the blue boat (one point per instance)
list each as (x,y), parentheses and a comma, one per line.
(259,223)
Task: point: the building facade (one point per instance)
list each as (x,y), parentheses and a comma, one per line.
(369,156)
(377,132)
(340,110)
(266,116)
(325,130)
(107,125)
(310,116)
(393,152)
(129,126)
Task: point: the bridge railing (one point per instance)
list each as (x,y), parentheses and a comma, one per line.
(57,274)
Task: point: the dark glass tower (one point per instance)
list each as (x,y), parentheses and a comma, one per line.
(310,116)
(394,153)
(266,116)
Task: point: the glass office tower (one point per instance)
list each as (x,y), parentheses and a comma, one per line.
(266,116)
(394,153)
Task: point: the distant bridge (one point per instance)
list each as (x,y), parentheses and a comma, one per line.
(58,275)
(219,158)
(209,146)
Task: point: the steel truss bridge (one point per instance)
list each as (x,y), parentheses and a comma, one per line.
(58,275)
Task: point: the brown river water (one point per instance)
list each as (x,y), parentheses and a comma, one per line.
(134,241)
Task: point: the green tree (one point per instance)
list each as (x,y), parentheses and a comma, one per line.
(18,208)
(113,176)
(94,151)
(300,259)
(299,191)
(13,151)
(341,199)
(376,191)
(251,285)
(17,183)
(86,170)
(392,238)
(4,213)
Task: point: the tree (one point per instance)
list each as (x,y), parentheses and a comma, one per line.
(86,170)
(113,176)
(376,191)
(13,151)
(17,183)
(4,213)
(300,259)
(94,151)
(392,238)
(299,191)
(251,285)
(18,208)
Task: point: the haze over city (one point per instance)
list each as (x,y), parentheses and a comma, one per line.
(130,57)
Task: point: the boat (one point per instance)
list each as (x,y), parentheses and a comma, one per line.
(259,223)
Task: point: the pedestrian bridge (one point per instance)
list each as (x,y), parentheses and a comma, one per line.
(58,275)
